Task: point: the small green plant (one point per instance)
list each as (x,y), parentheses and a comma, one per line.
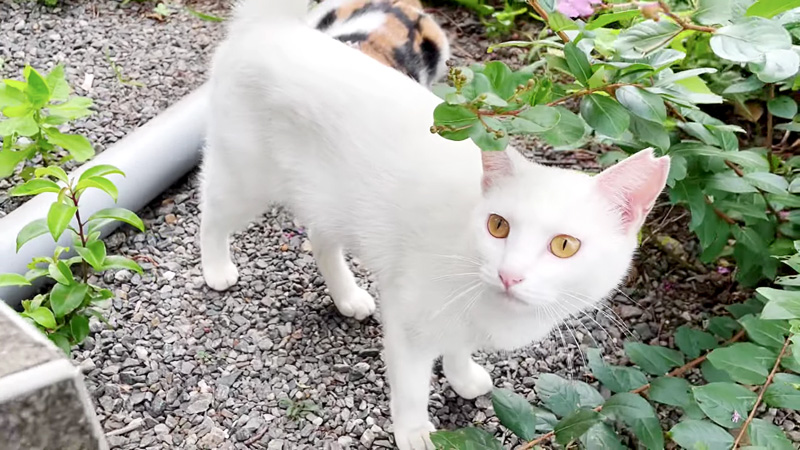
(33,109)
(63,312)
(297,409)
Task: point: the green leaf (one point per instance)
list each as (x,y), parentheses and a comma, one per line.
(52,171)
(43,317)
(514,413)
(670,391)
(628,407)
(693,342)
(61,273)
(782,106)
(57,83)
(777,65)
(749,39)
(465,439)
(768,182)
(719,12)
(746,363)
(714,375)
(575,425)
(59,217)
(782,304)
(60,341)
(500,78)
(729,182)
(34,187)
(765,434)
(645,37)
(606,19)
(30,231)
(566,396)
(487,140)
(536,120)
(605,115)
(701,434)
(653,359)
(120,214)
(13,279)
(578,63)
(649,433)
(204,16)
(654,134)
(771,8)
(751,84)
(72,109)
(23,126)
(784,392)
(121,262)
(769,333)
(722,402)
(570,129)
(37,92)
(723,326)
(100,170)
(94,253)
(103,184)
(64,299)
(79,326)
(457,117)
(601,437)
(642,103)
(615,378)
(78,146)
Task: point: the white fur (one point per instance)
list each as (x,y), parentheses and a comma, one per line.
(300,119)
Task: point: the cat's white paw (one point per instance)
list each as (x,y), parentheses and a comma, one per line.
(358,303)
(415,438)
(471,382)
(220,277)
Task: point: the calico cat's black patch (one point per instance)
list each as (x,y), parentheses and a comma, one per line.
(327,21)
(430,55)
(353,37)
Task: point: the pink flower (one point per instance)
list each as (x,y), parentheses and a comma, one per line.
(736,417)
(576,8)
(723,270)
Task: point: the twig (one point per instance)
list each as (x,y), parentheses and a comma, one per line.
(746,423)
(641,389)
(539,10)
(608,88)
(770,208)
(135,424)
(681,21)
(769,128)
(259,434)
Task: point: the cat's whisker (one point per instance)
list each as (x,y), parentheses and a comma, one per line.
(459,293)
(615,319)
(460,258)
(554,315)
(454,275)
(629,298)
(590,317)
(572,332)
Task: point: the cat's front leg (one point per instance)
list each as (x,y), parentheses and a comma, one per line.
(409,368)
(466,377)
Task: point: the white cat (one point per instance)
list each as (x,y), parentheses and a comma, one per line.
(471,250)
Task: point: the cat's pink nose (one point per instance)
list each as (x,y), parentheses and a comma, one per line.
(509,279)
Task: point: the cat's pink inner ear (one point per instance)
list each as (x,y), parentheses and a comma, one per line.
(496,165)
(633,185)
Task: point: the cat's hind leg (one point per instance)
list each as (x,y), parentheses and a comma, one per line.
(349,298)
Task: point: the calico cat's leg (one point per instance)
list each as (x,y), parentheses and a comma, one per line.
(408,367)
(350,300)
(466,377)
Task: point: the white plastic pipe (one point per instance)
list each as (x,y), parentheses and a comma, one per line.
(153,157)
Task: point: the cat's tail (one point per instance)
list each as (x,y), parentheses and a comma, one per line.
(268,11)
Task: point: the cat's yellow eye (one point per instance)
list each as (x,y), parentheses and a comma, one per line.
(498,226)
(564,246)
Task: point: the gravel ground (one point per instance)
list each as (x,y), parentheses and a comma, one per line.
(270,364)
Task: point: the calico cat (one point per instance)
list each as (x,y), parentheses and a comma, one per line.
(397,33)
(471,250)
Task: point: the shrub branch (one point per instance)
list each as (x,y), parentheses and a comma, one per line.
(543,14)
(680,371)
(750,417)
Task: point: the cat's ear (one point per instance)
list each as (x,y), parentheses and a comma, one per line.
(496,165)
(633,185)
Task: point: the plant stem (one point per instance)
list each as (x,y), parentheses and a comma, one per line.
(81,234)
(681,21)
(769,128)
(641,389)
(770,208)
(750,417)
(541,11)
(608,88)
